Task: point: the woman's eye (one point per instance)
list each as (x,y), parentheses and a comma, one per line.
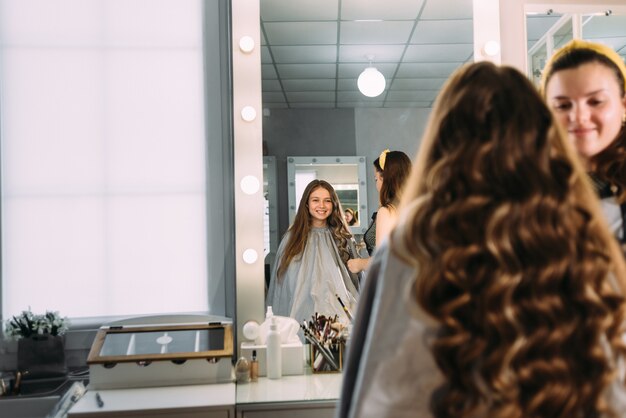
(562,106)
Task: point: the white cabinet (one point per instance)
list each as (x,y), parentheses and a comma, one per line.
(193,401)
(303,396)
(310,409)
(178,413)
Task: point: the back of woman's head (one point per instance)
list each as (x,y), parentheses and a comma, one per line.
(512,257)
(395,170)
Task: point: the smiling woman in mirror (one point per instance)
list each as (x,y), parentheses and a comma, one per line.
(392,169)
(584,84)
(310,270)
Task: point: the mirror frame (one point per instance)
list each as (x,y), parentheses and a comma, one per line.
(359,161)
(248,157)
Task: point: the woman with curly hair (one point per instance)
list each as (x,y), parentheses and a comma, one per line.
(500,291)
(584,84)
(311,259)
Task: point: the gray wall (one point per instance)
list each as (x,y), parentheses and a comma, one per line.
(340,132)
(379,129)
(302,133)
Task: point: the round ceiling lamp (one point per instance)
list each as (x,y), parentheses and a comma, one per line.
(371,82)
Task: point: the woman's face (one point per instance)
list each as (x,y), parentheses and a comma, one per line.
(378,179)
(320,206)
(587,102)
(348,216)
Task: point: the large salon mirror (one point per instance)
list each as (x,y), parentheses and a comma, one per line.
(312,53)
(347,175)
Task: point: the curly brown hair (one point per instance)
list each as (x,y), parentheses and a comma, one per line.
(513,259)
(610,163)
(299,230)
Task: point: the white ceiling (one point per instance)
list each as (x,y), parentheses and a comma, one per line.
(313,50)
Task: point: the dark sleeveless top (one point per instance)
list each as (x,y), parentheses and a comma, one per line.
(605,191)
(370,235)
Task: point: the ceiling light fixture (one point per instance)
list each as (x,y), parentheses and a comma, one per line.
(371,82)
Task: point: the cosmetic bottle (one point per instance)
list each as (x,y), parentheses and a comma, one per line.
(242,370)
(254,368)
(274,354)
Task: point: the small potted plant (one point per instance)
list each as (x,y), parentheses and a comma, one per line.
(40,345)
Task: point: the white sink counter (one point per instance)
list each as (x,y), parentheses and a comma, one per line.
(307,395)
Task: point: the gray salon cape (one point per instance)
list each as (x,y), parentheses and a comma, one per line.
(389,370)
(312,280)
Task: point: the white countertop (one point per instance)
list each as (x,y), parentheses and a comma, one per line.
(171,397)
(307,387)
(303,388)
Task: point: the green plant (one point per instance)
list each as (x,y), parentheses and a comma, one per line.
(28,324)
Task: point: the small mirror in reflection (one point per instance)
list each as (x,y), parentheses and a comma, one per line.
(347,176)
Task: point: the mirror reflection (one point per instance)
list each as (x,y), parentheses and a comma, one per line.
(270,214)
(550,30)
(312,56)
(347,176)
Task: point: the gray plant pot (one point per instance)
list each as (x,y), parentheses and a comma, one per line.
(41,356)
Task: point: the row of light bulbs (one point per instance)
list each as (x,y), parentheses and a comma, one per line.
(249,184)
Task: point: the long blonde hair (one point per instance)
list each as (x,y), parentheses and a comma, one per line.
(513,258)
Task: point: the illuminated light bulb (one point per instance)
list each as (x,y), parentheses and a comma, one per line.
(491,48)
(250,185)
(371,82)
(246,44)
(248,113)
(250,256)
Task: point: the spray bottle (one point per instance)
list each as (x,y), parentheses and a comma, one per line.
(274,354)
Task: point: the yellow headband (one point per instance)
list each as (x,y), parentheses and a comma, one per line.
(382,158)
(574,44)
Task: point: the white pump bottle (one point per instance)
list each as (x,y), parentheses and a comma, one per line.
(274,353)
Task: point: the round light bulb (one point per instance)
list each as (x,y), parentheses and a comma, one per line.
(248,113)
(250,185)
(250,256)
(371,82)
(246,44)
(251,329)
(491,48)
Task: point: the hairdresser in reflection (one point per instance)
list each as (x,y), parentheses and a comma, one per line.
(584,84)
(500,291)
(391,170)
(310,269)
